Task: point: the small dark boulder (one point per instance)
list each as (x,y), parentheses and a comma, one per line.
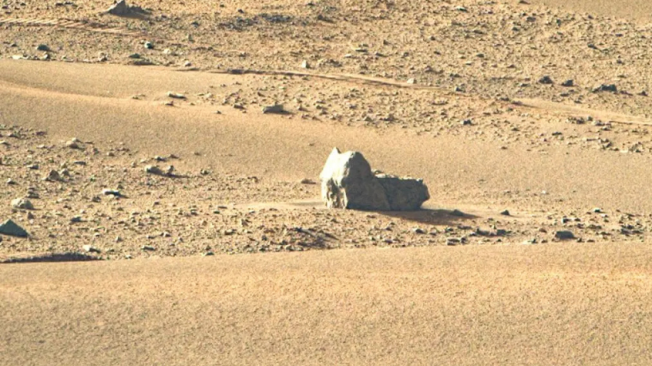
(12,229)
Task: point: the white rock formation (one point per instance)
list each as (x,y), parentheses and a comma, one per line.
(348,182)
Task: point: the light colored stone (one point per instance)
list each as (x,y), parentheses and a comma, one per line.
(74,143)
(90,249)
(22,204)
(176,95)
(348,182)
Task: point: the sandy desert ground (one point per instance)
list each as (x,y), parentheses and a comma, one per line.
(526,119)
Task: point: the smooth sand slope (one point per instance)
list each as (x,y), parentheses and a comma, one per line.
(94,102)
(640,10)
(518,305)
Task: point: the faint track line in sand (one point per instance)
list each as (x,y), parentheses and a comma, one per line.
(530,104)
(335,77)
(70,24)
(574,111)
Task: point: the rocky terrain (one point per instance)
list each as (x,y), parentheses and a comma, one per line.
(141,147)
(519,77)
(113,203)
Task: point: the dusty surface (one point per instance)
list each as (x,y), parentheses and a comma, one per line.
(637,10)
(474,97)
(231,167)
(514,305)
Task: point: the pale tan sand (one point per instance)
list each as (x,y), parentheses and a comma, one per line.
(639,10)
(525,305)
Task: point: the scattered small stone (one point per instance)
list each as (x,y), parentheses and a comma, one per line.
(564,235)
(274,109)
(148,248)
(11,182)
(12,229)
(568,83)
(31,193)
(453,241)
(53,176)
(546,80)
(148,45)
(176,95)
(43,47)
(76,219)
(90,249)
(505,213)
(22,204)
(111,192)
(605,88)
(467,122)
(153,169)
(308,181)
(305,64)
(412,81)
(74,143)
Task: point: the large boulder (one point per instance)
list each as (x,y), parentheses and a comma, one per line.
(348,182)
(404,194)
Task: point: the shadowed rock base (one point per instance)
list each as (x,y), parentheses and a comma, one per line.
(120,8)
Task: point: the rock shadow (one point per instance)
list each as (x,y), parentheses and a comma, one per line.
(137,14)
(427,216)
(53,257)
